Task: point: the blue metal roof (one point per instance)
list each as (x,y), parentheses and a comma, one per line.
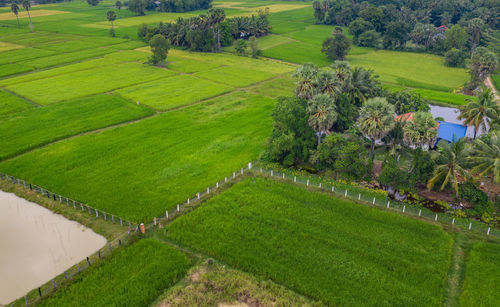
(450,131)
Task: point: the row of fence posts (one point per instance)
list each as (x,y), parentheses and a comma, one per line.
(388,203)
(204,192)
(77,206)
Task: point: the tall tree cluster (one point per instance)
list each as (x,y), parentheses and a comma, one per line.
(437,26)
(177,6)
(208,32)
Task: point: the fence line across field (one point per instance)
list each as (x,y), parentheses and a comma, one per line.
(209,190)
(70,202)
(358,194)
(50,286)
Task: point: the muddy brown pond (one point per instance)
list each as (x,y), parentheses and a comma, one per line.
(36,245)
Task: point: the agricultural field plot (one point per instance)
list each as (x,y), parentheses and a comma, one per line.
(481,287)
(106,60)
(87,82)
(326,248)
(34,13)
(235,76)
(275,88)
(30,129)
(8,46)
(11,104)
(174,92)
(134,276)
(138,171)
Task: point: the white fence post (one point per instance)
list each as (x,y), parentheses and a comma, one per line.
(283,175)
(307,182)
(198,195)
(242,171)
(217,184)
(225,179)
(388,204)
(154,221)
(470,226)
(373,202)
(359,196)
(453,221)
(188,201)
(294,178)
(249,165)
(166,214)
(208,190)
(320,184)
(345,194)
(234,174)
(419,212)
(272,173)
(488,232)
(404,208)
(177,208)
(436,218)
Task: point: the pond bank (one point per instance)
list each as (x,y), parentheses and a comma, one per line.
(37,244)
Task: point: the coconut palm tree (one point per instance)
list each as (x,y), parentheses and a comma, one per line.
(322,114)
(486,157)
(451,163)
(364,84)
(480,112)
(376,119)
(305,76)
(27,7)
(15,9)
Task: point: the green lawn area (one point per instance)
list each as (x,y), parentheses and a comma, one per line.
(38,126)
(134,276)
(329,249)
(12,104)
(481,287)
(87,82)
(140,170)
(174,92)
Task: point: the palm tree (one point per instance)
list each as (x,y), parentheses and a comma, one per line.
(322,114)
(111,15)
(481,111)
(305,75)
(326,82)
(364,84)
(486,157)
(15,9)
(215,17)
(450,164)
(421,130)
(376,119)
(27,6)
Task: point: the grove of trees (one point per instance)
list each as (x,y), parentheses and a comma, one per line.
(178,6)
(209,32)
(340,120)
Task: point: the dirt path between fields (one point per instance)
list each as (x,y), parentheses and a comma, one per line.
(489,84)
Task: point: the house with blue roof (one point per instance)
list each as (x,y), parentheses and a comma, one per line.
(450,132)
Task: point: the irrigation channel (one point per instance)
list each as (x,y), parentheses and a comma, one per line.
(36,245)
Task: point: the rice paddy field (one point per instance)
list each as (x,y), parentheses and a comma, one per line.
(332,250)
(134,276)
(481,287)
(83,115)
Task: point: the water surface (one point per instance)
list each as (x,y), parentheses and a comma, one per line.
(36,245)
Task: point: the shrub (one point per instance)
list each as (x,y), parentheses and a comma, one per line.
(455,58)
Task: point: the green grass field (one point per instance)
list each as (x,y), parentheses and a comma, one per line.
(38,126)
(330,249)
(88,82)
(481,287)
(174,92)
(12,104)
(134,276)
(140,170)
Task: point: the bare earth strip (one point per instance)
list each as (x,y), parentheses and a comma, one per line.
(37,13)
